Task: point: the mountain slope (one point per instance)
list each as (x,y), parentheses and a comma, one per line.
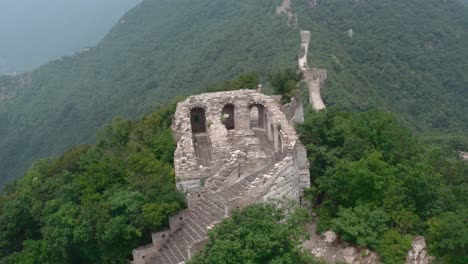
(47,24)
(409,57)
(161,49)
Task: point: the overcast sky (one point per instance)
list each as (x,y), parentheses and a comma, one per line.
(33,32)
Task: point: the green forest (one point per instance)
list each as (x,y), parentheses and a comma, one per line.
(261,233)
(378,185)
(407,57)
(374,182)
(95,203)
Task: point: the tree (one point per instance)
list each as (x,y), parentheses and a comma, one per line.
(448,237)
(94,204)
(284,83)
(363,224)
(261,233)
(393,247)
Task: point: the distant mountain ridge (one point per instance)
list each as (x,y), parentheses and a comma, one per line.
(35,32)
(401,58)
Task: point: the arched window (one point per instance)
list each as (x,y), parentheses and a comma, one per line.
(271,135)
(227,116)
(198,120)
(280,144)
(257,116)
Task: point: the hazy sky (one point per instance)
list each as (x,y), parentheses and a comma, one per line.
(33,32)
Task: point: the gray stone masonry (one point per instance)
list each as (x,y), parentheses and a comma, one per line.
(234,149)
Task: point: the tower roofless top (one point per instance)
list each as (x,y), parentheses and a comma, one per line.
(234,149)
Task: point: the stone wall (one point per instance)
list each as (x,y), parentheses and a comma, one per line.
(189,170)
(315,79)
(255,156)
(294,110)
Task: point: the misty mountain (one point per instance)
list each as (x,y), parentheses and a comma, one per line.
(407,56)
(34,32)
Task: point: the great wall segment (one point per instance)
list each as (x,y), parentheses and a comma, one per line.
(234,149)
(314,77)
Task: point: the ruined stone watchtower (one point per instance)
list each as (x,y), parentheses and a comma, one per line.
(234,149)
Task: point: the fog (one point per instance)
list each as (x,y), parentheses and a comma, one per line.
(33,32)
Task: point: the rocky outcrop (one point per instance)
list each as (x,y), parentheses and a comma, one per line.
(329,248)
(329,237)
(418,253)
(463,155)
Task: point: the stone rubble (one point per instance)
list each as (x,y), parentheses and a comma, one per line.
(418,253)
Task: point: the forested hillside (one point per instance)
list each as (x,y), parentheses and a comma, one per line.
(379,185)
(95,203)
(56,28)
(161,50)
(409,57)
(405,56)
(373,181)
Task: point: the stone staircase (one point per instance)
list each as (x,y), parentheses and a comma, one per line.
(201,216)
(224,170)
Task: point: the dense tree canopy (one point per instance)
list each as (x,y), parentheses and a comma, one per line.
(94,204)
(261,233)
(376,183)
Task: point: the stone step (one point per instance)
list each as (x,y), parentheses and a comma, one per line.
(195,229)
(155,259)
(244,183)
(220,195)
(189,238)
(192,232)
(185,237)
(178,250)
(207,208)
(200,229)
(205,218)
(237,187)
(228,193)
(170,253)
(164,256)
(216,205)
(217,202)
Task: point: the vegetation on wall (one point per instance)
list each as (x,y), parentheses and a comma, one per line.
(285,83)
(249,80)
(376,184)
(95,203)
(261,233)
